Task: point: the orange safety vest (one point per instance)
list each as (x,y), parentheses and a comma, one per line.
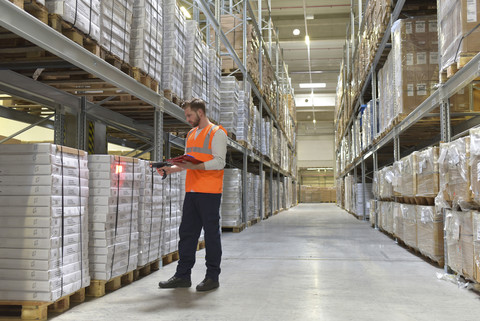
(203,181)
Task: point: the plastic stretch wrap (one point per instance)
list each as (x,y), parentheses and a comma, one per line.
(386,88)
(363,197)
(476,244)
(475,163)
(231,206)
(398,220)
(397,178)
(147,37)
(196,60)
(415,49)
(456,19)
(214,81)
(427,175)
(408,175)
(387,216)
(459,233)
(229,103)
(409,213)
(430,232)
(373,211)
(174,194)
(454,169)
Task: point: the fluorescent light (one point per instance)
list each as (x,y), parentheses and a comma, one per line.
(185,12)
(309,17)
(313,85)
(314,121)
(307,40)
(296,32)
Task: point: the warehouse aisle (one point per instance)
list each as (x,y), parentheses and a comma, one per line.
(313,262)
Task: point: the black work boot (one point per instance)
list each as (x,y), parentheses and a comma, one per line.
(175,282)
(207,285)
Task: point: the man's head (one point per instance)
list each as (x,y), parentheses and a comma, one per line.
(194,111)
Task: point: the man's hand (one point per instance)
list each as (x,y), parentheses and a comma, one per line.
(188,165)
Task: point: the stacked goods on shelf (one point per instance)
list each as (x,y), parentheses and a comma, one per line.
(311,194)
(194,84)
(368,130)
(116,27)
(265,137)
(349,196)
(466,100)
(340,192)
(250,197)
(357,143)
(386,94)
(82,15)
(257,129)
(387,218)
(372,217)
(266,197)
(408,175)
(231,207)
(214,81)
(459,40)
(173,56)
(430,233)
(415,52)
(229,94)
(147,37)
(150,215)
(173,211)
(269,85)
(113,215)
(362,197)
(257,193)
(474,163)
(385,183)
(398,219)
(289,192)
(409,213)
(427,172)
(243,124)
(454,169)
(275,196)
(44,232)
(459,239)
(476,244)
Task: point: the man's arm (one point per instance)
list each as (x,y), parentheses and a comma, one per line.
(219,151)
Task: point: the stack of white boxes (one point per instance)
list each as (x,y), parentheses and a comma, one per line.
(257,137)
(174,38)
(44,229)
(231,207)
(194,62)
(244,112)
(84,15)
(229,94)
(256,195)
(265,137)
(214,81)
(147,37)
(116,27)
(250,197)
(150,215)
(113,209)
(275,195)
(363,197)
(173,211)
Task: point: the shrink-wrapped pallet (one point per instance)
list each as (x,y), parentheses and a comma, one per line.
(363,195)
(476,244)
(174,196)
(427,175)
(44,230)
(387,216)
(459,239)
(116,27)
(229,104)
(430,233)
(398,220)
(459,40)
(386,178)
(409,224)
(475,163)
(386,88)
(454,169)
(231,206)
(373,212)
(243,122)
(196,57)
(415,50)
(214,82)
(147,37)
(408,175)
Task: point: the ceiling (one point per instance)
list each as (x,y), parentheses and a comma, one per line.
(327,31)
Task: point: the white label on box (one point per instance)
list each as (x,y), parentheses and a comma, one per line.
(409,59)
(421,58)
(410,90)
(471,10)
(420,27)
(421,89)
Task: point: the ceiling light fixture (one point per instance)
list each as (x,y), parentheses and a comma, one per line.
(309,17)
(313,85)
(185,12)
(307,40)
(296,32)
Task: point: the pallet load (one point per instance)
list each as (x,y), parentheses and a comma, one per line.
(150,215)
(476,244)
(264,136)
(82,15)
(266,198)
(116,27)
(196,52)
(398,220)
(415,52)
(113,215)
(214,82)
(430,233)
(174,38)
(250,197)
(147,37)
(362,197)
(386,212)
(229,103)
(459,239)
(44,231)
(231,207)
(407,175)
(243,123)
(409,225)
(427,175)
(460,40)
(475,164)
(173,211)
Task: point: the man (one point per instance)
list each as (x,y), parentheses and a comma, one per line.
(203,186)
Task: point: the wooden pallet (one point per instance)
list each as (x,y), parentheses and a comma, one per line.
(243,143)
(234,229)
(463,59)
(232,136)
(171,257)
(33,310)
(173,97)
(253,222)
(99,288)
(147,269)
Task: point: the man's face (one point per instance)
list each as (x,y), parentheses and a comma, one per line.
(193,118)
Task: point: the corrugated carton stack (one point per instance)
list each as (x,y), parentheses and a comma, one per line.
(231,207)
(427,172)
(266,197)
(113,202)
(408,175)
(398,220)
(257,140)
(459,238)
(174,38)
(386,88)
(430,233)
(229,93)
(150,215)
(214,82)
(44,232)
(458,18)
(84,15)
(195,58)
(410,224)
(415,49)
(116,27)
(243,123)
(474,164)
(173,211)
(363,196)
(147,37)
(251,197)
(275,195)
(476,244)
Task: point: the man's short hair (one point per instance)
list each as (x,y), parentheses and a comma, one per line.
(195,104)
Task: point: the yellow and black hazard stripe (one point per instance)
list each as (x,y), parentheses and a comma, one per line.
(91,137)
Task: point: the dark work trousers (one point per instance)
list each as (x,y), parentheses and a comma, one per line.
(200,210)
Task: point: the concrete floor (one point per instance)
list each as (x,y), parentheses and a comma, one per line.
(313,262)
